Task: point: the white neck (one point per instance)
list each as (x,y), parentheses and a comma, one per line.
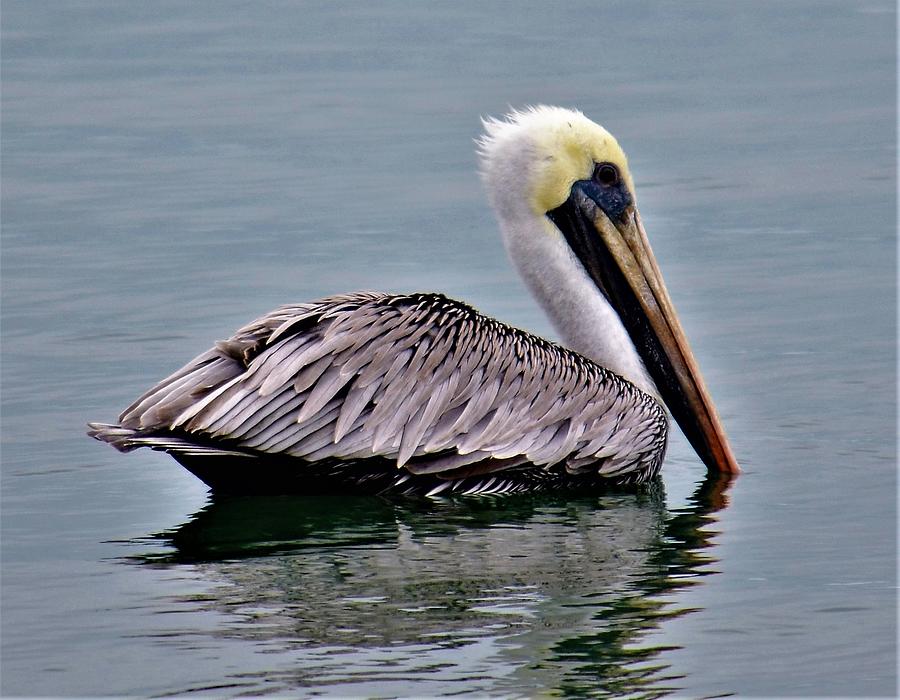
(577,309)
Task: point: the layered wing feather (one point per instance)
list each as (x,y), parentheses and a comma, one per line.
(421,380)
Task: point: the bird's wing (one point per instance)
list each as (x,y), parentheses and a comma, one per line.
(419,379)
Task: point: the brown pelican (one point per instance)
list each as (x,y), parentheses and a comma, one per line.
(421,393)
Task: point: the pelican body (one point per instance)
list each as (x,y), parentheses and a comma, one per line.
(419,393)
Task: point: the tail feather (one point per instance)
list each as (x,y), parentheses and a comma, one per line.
(117,436)
(128,439)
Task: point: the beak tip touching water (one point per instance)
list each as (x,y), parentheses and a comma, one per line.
(721,458)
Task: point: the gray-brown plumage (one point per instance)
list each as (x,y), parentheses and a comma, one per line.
(422,384)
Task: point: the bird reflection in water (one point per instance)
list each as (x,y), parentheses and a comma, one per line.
(432,596)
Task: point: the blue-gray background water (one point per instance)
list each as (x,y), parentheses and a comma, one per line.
(171,170)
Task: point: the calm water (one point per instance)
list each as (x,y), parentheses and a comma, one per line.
(172,170)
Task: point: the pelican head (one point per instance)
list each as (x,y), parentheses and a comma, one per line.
(564,197)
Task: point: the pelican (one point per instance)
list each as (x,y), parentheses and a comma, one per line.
(419,393)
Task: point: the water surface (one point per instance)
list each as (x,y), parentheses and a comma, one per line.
(172,170)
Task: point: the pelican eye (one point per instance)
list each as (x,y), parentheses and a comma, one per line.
(606,174)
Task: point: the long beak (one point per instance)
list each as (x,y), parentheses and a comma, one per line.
(617,256)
